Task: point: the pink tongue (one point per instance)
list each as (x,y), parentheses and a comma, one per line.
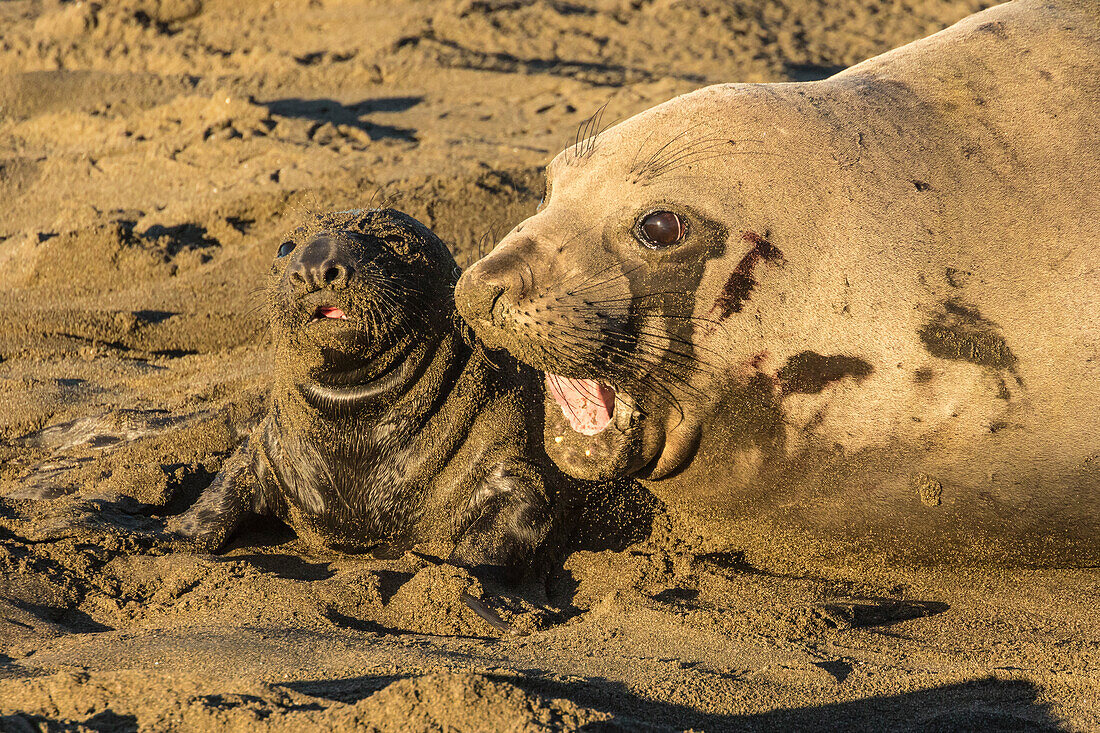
(330,312)
(586,404)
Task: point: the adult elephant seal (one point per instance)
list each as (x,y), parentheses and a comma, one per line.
(386,425)
(855,314)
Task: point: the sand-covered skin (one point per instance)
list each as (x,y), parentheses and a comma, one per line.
(151,155)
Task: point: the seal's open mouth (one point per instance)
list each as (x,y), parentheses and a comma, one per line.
(585,403)
(599,433)
(328,311)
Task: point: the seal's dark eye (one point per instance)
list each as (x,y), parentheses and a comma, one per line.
(286,248)
(542,202)
(661,229)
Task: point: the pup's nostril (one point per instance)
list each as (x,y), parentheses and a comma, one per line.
(297,277)
(331,274)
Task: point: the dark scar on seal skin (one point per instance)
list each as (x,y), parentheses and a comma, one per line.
(809,372)
(741,281)
(960,333)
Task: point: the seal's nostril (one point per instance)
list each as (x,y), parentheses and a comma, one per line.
(493,312)
(297,277)
(331,274)
(485,302)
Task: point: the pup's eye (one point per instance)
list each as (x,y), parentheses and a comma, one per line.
(542,202)
(286,248)
(399,246)
(661,229)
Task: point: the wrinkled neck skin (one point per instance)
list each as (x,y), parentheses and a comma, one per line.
(406,373)
(349,459)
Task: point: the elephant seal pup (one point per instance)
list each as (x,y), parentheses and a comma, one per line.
(859,314)
(386,426)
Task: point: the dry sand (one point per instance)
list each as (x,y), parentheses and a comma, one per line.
(151,154)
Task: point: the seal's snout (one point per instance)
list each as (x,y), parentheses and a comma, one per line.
(489,285)
(322,264)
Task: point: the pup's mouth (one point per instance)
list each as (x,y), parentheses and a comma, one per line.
(328,311)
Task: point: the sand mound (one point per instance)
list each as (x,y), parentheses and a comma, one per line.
(88,702)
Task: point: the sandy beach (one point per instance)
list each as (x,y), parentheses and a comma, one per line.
(153,153)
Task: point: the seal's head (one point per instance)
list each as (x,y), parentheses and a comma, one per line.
(599,288)
(352,293)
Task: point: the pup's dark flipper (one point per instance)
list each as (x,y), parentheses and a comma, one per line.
(506,520)
(209,522)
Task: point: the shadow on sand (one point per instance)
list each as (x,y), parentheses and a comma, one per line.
(985,706)
(337,113)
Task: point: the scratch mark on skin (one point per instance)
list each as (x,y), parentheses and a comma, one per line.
(741,281)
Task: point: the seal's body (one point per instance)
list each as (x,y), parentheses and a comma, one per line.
(386,426)
(856,313)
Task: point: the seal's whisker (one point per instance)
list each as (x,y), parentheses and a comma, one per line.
(606,283)
(628,314)
(658,360)
(583,278)
(599,129)
(400,300)
(670,157)
(625,313)
(605,303)
(483,356)
(634,160)
(588,142)
(530,288)
(652,391)
(389,300)
(686,158)
(691,147)
(482,239)
(556,380)
(584,141)
(575,236)
(667,170)
(640,331)
(668,151)
(378,189)
(633,355)
(656,153)
(597,285)
(608,305)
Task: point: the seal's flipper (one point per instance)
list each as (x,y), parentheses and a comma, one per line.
(507,518)
(210,521)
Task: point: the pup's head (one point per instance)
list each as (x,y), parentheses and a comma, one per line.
(351,293)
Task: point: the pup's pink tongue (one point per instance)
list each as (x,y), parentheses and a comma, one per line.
(329,311)
(586,404)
